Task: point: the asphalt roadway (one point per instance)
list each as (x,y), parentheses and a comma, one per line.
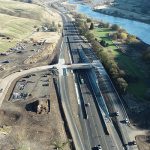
(74,42)
(92,126)
(110,95)
(93,130)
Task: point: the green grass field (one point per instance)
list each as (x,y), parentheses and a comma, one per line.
(125,62)
(16,28)
(17,21)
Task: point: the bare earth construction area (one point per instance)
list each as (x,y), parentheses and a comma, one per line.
(32,121)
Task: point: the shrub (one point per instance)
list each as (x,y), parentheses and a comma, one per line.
(122,84)
(103,43)
(115,27)
(131,39)
(88,20)
(92,26)
(122,36)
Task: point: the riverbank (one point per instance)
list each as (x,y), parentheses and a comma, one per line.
(136,28)
(130,9)
(122,14)
(128,57)
(125,51)
(122,58)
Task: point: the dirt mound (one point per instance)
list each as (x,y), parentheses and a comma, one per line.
(42,54)
(143,142)
(39,106)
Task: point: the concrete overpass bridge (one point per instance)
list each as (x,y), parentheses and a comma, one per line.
(81,66)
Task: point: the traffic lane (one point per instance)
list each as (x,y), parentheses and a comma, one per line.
(74,50)
(111,97)
(72,39)
(114,139)
(94,118)
(88,47)
(85,131)
(92,131)
(110,87)
(69,116)
(82,114)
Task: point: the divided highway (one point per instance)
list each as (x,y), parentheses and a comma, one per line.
(97,127)
(92,126)
(93,130)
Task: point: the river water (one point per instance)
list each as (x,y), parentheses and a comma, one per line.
(139,29)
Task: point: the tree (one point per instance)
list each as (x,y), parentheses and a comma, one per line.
(114,36)
(114,72)
(96,46)
(122,73)
(92,26)
(89,36)
(88,20)
(115,27)
(103,43)
(106,25)
(122,84)
(122,35)
(131,39)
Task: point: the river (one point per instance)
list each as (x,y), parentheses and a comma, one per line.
(139,29)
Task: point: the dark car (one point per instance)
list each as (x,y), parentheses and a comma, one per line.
(98,147)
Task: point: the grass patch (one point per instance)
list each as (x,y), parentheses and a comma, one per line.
(125,62)
(16,28)
(138,89)
(17,21)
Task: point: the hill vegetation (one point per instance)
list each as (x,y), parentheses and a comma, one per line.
(122,55)
(130,9)
(19,20)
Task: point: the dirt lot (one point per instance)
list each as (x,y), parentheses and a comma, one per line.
(31,55)
(31,119)
(143,142)
(15,59)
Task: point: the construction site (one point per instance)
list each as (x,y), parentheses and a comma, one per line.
(30,116)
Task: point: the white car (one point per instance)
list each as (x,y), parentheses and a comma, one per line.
(98,147)
(117,113)
(127,121)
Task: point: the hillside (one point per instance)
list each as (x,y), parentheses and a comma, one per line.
(19,20)
(130,9)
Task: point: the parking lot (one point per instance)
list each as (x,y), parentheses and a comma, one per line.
(28,86)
